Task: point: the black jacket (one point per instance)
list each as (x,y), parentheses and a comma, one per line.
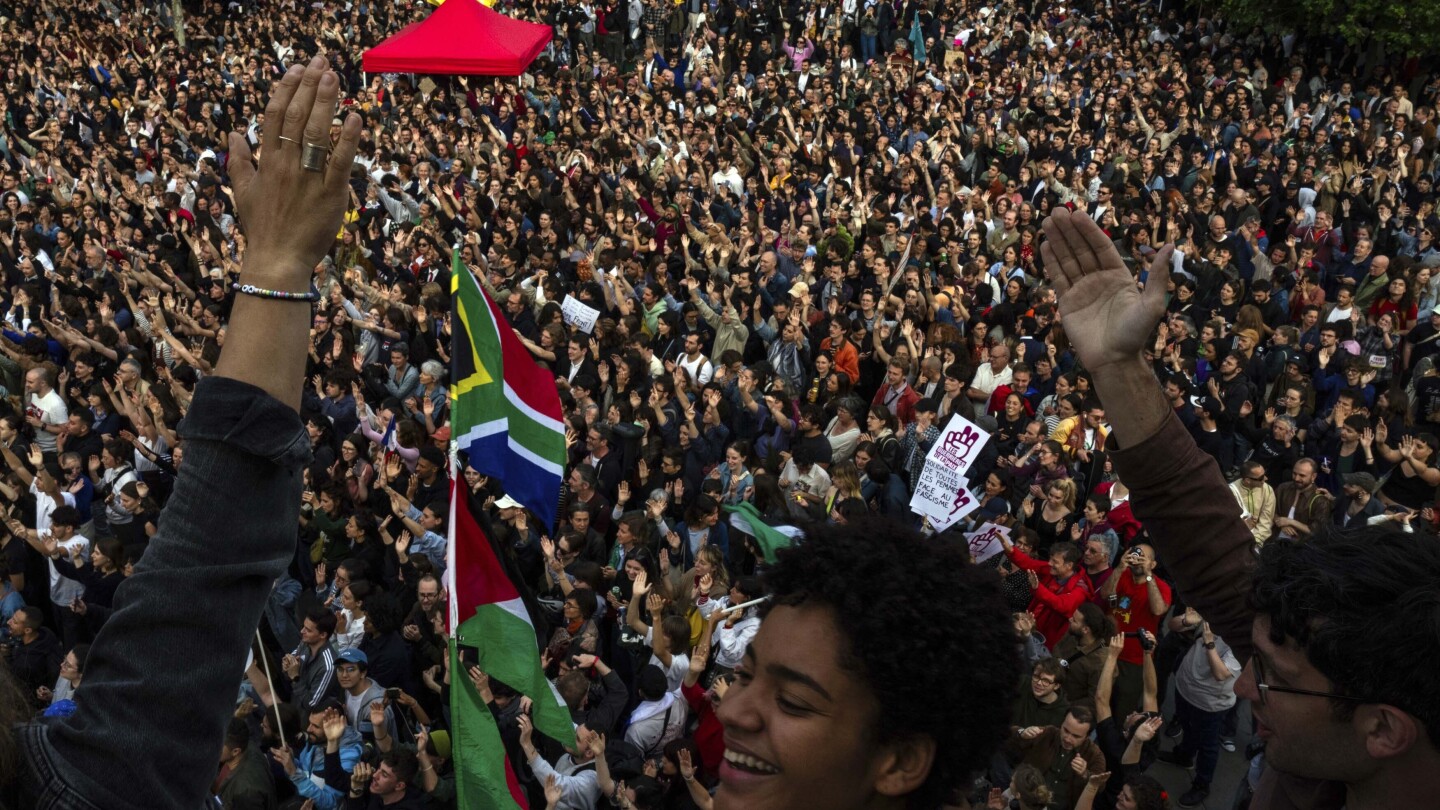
(412,800)
(38,663)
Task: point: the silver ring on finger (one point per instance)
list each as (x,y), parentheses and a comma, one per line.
(291,140)
(313,157)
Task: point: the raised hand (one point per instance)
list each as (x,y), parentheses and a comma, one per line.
(290,213)
(553,791)
(360,777)
(1146,731)
(1106,318)
(334,725)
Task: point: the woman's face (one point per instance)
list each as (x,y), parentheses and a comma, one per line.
(993,485)
(703,566)
(1055,496)
(98,558)
(1397,287)
(822,365)
(1066,409)
(1126,800)
(70,668)
(633,569)
(735,460)
(1012,407)
(347,600)
(813,741)
(128,503)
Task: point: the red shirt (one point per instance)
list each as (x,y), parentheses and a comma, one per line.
(1053,603)
(709,734)
(1121,519)
(1131,611)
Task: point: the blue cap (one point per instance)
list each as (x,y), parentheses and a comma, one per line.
(354,656)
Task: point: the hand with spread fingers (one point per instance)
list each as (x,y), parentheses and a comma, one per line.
(1106,317)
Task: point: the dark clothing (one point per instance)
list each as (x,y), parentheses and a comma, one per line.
(1082,668)
(38,663)
(1031,712)
(1045,753)
(1194,523)
(244,443)
(389,658)
(412,800)
(249,786)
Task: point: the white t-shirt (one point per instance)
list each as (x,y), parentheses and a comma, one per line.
(52,411)
(679,664)
(699,369)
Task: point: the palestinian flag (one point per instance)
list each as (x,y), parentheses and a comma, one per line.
(488,614)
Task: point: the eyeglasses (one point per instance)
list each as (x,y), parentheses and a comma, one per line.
(1265,689)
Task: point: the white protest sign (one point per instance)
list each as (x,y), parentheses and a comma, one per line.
(985,542)
(941,494)
(578,315)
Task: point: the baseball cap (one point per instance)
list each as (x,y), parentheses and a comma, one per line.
(353,655)
(507,502)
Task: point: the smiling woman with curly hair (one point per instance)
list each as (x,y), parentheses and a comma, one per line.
(860,691)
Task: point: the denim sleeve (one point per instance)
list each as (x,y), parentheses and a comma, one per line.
(160,684)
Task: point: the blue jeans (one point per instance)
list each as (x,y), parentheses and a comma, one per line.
(160,684)
(868,47)
(1202,738)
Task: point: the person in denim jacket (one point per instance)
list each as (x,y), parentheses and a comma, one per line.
(160,682)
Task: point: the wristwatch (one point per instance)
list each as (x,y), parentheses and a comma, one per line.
(1209,645)
(1149,579)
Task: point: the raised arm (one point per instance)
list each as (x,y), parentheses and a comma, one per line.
(244,438)
(1177,491)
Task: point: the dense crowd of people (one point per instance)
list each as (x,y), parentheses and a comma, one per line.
(812,233)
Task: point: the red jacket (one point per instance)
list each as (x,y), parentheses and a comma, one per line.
(1053,603)
(709,734)
(904,405)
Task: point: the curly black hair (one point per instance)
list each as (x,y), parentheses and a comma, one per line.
(944,667)
(1148,792)
(1365,606)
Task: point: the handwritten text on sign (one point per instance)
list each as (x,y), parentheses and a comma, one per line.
(941,493)
(581,316)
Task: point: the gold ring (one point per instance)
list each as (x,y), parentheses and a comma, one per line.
(313,158)
(291,140)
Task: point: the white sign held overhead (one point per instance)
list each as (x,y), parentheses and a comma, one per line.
(581,316)
(941,493)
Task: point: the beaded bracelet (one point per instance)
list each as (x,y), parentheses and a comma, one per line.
(279,295)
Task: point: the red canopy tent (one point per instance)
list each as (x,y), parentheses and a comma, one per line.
(461,37)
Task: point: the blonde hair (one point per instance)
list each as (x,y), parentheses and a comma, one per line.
(1067,486)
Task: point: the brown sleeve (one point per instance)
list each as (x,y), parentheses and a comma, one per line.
(1178,494)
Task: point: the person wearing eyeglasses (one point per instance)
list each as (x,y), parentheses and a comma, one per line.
(1339,676)
(1257,500)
